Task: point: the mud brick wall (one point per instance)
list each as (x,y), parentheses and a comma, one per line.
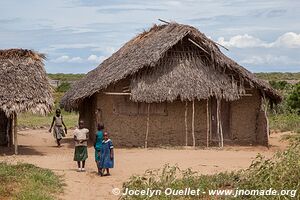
(127,127)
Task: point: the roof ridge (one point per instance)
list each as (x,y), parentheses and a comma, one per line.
(21,53)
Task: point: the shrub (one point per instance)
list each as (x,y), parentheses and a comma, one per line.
(278,85)
(293,99)
(282,172)
(63,87)
(285,122)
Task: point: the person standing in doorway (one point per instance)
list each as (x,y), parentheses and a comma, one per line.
(81,137)
(58,123)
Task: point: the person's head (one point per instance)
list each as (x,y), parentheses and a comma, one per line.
(81,124)
(57,112)
(100,127)
(105,136)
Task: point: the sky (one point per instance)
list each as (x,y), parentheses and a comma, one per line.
(77,35)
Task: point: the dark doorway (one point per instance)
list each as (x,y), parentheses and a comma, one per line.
(225,118)
(3,128)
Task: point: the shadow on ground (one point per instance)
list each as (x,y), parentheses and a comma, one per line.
(67,142)
(22,150)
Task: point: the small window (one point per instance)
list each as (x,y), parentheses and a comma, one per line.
(123,106)
(155,109)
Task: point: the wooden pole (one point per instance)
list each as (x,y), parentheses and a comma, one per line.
(8,137)
(117,93)
(164,21)
(147,130)
(11,131)
(221,132)
(207,122)
(265,107)
(268,127)
(16,133)
(185,121)
(195,43)
(219,124)
(193,123)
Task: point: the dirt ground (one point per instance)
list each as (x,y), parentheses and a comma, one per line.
(38,147)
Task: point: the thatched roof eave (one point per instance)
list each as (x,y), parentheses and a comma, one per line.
(147,50)
(24,85)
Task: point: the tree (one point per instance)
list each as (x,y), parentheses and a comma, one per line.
(63,87)
(293,99)
(278,85)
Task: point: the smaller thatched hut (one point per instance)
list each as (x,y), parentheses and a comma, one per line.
(23,87)
(172,85)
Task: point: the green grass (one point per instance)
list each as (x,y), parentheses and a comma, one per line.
(28,182)
(279,76)
(279,173)
(265,76)
(66,77)
(285,122)
(36,121)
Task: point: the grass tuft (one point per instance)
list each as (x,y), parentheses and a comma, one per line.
(285,122)
(282,172)
(28,182)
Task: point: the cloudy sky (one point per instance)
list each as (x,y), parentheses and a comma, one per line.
(77,35)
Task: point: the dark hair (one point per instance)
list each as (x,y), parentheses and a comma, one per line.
(57,110)
(100,127)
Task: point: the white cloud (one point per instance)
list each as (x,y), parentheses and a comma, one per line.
(172,3)
(96,59)
(68,59)
(270,60)
(287,40)
(73,46)
(242,41)
(93,47)
(75,60)
(54,47)
(106,50)
(61,59)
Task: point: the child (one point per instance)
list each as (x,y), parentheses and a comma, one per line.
(98,145)
(58,123)
(107,155)
(81,138)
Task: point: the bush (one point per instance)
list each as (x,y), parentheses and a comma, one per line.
(285,122)
(63,87)
(282,172)
(278,85)
(66,77)
(293,99)
(173,177)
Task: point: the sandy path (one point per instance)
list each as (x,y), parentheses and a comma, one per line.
(38,147)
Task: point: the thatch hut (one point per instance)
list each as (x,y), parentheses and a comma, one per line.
(24,87)
(172,85)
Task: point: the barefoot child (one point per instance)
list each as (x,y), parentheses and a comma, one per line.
(98,145)
(58,123)
(107,155)
(81,138)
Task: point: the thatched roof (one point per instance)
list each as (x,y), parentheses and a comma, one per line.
(169,62)
(24,85)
